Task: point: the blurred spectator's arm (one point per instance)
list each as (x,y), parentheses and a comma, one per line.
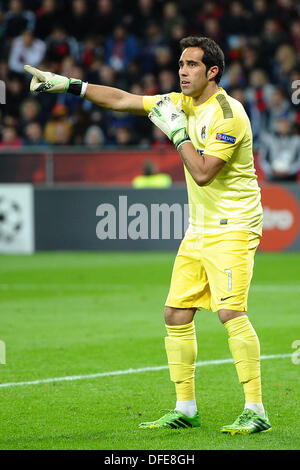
(19,54)
(295,164)
(264,154)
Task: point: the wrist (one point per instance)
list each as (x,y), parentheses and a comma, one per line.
(76,87)
(179,137)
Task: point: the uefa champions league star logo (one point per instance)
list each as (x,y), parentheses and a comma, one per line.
(11,220)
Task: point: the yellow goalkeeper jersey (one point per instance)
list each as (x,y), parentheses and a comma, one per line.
(220,127)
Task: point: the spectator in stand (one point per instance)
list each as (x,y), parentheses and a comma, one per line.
(233,77)
(91,50)
(212,29)
(15,94)
(59,45)
(259,95)
(10,121)
(270,39)
(252,112)
(153,40)
(33,135)
(279,107)
(124,136)
(171,17)
(94,137)
(46,17)
(208,9)
(10,138)
(151,178)
(26,49)
(279,154)
(82,120)
(29,112)
(107,75)
(136,44)
(236,21)
(150,84)
(167,81)
(286,10)
(178,32)
(144,12)
(58,130)
(17,20)
(163,59)
(295,33)
(78,21)
(104,18)
(259,17)
(121,48)
(250,60)
(285,61)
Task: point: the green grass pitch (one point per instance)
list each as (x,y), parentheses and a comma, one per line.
(76,314)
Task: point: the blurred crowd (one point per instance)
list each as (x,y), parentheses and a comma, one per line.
(134,45)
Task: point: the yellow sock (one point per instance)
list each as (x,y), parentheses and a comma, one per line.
(181,348)
(245,350)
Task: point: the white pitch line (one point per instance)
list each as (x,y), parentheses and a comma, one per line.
(128,371)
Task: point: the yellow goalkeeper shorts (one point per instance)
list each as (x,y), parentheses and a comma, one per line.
(213,271)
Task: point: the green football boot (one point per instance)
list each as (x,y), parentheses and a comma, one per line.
(247,423)
(173,420)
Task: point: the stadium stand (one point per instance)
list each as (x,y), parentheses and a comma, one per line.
(133,45)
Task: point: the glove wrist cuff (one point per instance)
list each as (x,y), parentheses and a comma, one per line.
(76,87)
(179,137)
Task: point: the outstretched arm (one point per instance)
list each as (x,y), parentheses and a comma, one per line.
(107,97)
(116,99)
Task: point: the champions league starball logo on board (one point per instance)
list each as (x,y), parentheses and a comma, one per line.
(11,220)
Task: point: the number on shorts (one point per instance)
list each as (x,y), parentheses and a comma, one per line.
(229,272)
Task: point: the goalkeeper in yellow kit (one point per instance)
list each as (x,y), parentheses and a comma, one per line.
(214,264)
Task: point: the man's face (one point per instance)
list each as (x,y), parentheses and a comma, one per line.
(192,72)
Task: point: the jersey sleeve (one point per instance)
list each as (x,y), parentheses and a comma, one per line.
(150,101)
(224,136)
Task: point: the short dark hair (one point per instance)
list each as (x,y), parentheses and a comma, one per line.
(213,54)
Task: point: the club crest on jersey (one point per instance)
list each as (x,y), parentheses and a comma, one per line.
(203,132)
(226,138)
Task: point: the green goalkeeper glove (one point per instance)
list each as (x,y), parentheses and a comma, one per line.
(172,122)
(52,83)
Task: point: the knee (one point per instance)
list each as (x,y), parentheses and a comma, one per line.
(226,315)
(178,316)
(169,315)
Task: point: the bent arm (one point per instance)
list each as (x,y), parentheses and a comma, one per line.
(115,99)
(203,168)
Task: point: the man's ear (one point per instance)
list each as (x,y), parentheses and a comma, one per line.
(213,72)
